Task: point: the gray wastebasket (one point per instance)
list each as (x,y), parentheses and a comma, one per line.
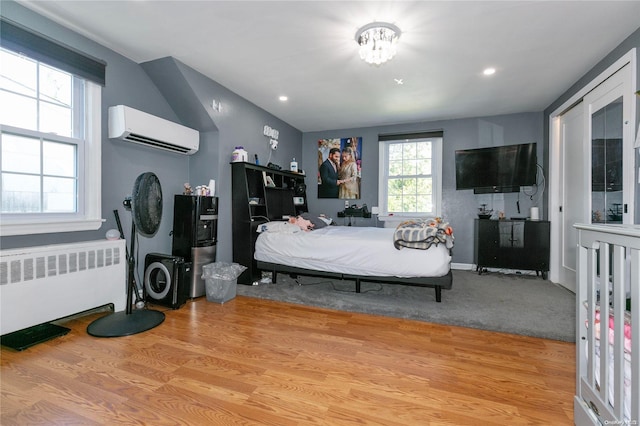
(221,280)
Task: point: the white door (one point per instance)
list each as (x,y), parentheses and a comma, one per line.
(574,178)
(591,166)
(611,150)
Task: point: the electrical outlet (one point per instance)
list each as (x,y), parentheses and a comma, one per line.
(375,210)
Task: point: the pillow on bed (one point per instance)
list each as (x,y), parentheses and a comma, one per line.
(318,222)
(277,226)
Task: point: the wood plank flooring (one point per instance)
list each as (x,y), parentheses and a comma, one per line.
(255,362)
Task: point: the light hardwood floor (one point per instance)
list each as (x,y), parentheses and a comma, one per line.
(253,362)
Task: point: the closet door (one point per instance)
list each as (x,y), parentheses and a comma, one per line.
(591,164)
(574,180)
(608,120)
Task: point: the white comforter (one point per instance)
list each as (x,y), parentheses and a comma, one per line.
(365,251)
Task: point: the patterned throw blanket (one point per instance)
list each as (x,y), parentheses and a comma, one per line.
(421,234)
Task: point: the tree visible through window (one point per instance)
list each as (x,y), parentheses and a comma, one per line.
(410,179)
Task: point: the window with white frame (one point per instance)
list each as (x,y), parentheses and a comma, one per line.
(410,174)
(50,135)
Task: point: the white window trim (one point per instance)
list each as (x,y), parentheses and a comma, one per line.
(90,213)
(437,186)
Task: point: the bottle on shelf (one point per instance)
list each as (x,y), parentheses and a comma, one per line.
(294,166)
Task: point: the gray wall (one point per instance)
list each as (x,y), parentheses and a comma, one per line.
(459,207)
(171,90)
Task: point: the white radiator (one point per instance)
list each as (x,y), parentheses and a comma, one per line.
(46,283)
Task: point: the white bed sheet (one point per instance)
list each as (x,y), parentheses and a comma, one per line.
(365,251)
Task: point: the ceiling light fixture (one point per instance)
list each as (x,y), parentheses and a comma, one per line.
(377,42)
(489,71)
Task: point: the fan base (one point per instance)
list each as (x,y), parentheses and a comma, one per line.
(124,324)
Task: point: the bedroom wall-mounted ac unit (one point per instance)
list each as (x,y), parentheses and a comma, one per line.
(139,127)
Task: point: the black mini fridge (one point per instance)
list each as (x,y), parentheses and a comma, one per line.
(195,229)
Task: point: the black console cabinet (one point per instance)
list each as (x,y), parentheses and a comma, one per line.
(512,244)
(260,194)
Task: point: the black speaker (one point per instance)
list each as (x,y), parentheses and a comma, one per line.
(167,280)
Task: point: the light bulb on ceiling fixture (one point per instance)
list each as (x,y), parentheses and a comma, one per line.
(377,42)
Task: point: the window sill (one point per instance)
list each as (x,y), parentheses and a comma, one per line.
(392,221)
(31,228)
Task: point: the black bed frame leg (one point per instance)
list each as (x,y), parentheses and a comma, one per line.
(357,285)
(274,277)
(438,294)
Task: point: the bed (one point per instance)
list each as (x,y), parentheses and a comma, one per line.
(354,253)
(608,330)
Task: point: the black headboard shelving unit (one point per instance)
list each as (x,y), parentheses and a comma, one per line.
(260,194)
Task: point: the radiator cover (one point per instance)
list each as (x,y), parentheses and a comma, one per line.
(46,283)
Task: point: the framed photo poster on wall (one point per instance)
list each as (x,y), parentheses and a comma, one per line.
(339,168)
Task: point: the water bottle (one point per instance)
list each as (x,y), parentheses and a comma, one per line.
(239,155)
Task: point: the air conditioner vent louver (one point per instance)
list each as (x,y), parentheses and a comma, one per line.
(156,143)
(139,127)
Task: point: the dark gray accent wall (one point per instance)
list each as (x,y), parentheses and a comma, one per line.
(458,207)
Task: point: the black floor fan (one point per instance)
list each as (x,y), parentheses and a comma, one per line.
(146,212)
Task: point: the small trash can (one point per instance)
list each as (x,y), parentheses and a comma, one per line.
(221,280)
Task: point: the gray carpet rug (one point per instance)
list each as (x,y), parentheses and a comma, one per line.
(510,303)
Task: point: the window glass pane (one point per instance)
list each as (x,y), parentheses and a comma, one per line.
(395,168)
(395,151)
(55,119)
(409,167)
(423,167)
(20,193)
(18,74)
(409,204)
(424,186)
(423,149)
(395,204)
(408,186)
(55,86)
(409,150)
(424,204)
(59,195)
(59,159)
(394,187)
(18,111)
(20,154)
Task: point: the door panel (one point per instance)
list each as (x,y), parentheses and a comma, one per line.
(574,181)
(596,166)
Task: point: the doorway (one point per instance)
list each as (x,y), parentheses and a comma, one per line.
(591,163)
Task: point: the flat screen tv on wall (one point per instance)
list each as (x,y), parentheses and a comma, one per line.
(496,169)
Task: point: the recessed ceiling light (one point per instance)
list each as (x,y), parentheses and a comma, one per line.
(398,81)
(283,98)
(489,71)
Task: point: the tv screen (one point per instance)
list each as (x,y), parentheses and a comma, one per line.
(496,169)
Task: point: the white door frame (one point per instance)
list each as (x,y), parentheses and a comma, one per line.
(555,192)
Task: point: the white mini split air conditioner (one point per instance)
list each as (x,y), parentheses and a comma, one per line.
(136,126)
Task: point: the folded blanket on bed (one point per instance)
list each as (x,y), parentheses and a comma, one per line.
(422,234)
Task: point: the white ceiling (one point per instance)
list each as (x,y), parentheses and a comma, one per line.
(307,51)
